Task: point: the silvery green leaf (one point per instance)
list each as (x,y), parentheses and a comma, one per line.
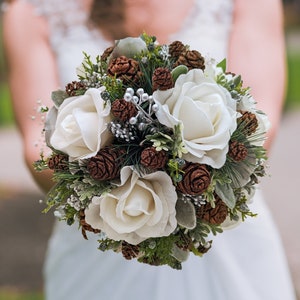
(50,124)
(58,97)
(179,70)
(180,254)
(225,192)
(185,214)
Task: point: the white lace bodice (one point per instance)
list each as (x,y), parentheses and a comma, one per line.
(205,29)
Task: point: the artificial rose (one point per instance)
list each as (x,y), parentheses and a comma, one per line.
(138,209)
(207,113)
(79,127)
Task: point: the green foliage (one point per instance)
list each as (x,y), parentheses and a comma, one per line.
(6,111)
(293,86)
(16,295)
(158,251)
(202,230)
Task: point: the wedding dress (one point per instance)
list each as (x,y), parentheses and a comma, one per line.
(245,263)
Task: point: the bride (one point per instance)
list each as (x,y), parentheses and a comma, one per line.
(44,40)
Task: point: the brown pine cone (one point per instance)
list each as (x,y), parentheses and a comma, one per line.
(107,52)
(162,79)
(74,86)
(237,151)
(123,110)
(213,215)
(130,251)
(192,59)
(126,69)
(196,179)
(58,162)
(176,48)
(106,164)
(85,226)
(185,243)
(248,122)
(152,159)
(203,249)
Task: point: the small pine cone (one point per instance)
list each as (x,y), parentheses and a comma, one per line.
(192,59)
(196,179)
(176,48)
(130,251)
(237,151)
(204,248)
(106,164)
(248,121)
(58,162)
(74,86)
(152,159)
(162,79)
(185,243)
(85,226)
(213,215)
(123,110)
(126,69)
(107,52)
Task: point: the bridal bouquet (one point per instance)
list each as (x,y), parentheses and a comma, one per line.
(155,149)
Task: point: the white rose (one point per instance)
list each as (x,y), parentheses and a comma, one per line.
(207,113)
(80,125)
(139,208)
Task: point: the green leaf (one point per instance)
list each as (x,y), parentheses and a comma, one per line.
(225,192)
(58,97)
(185,214)
(179,70)
(222,65)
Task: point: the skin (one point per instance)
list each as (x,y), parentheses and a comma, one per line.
(256,52)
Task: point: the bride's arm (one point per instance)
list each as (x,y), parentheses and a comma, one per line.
(32,76)
(257,52)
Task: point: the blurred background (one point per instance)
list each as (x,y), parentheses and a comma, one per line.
(24,231)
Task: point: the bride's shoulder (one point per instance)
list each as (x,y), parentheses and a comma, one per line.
(29,22)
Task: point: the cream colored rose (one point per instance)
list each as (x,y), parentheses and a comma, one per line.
(80,125)
(207,113)
(139,208)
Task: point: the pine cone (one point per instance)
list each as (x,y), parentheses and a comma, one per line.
(123,110)
(185,243)
(203,249)
(162,79)
(107,52)
(196,179)
(130,251)
(106,164)
(192,59)
(152,159)
(176,48)
(238,151)
(213,215)
(58,162)
(248,122)
(126,69)
(74,86)
(85,226)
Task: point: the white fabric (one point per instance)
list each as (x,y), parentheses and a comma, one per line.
(245,263)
